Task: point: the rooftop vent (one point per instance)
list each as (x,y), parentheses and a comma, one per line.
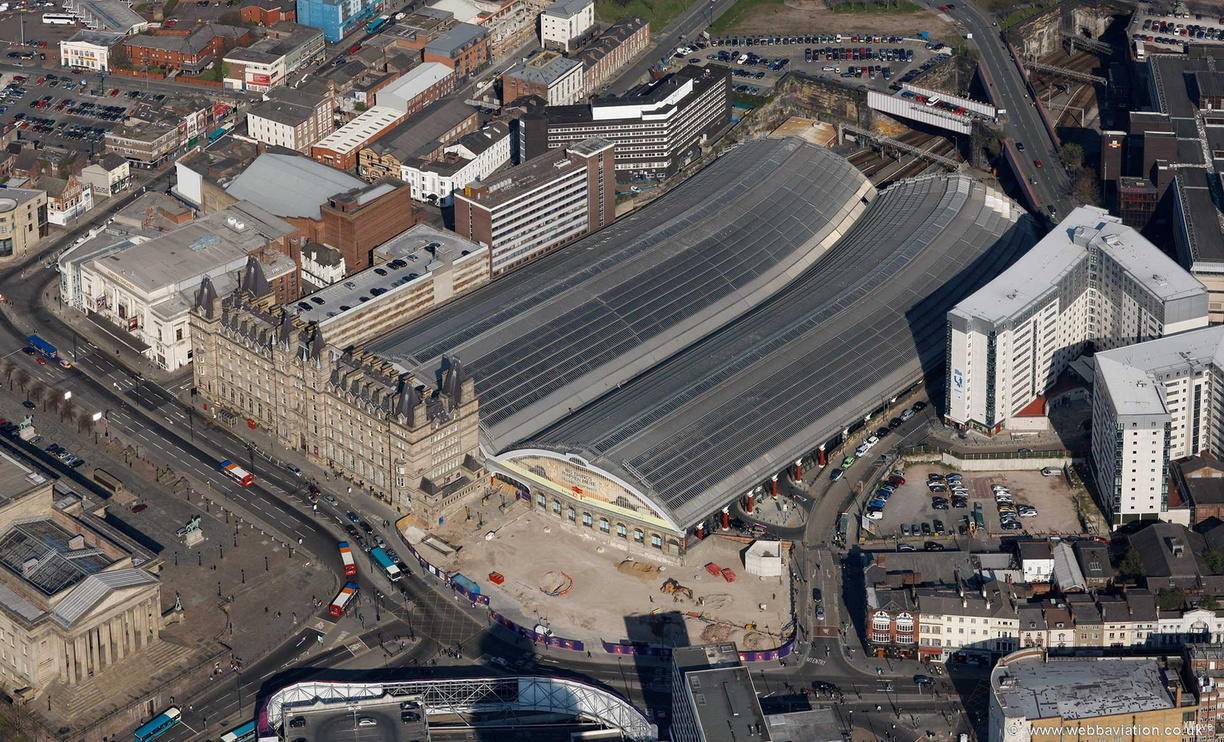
(205,242)
(235,224)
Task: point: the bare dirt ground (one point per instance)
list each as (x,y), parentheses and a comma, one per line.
(584,590)
(811,16)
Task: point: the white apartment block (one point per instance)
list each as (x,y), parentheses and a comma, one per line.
(473,158)
(565,21)
(1151,403)
(1091,282)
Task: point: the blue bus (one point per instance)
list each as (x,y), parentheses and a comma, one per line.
(241,733)
(42,346)
(157,726)
(387,563)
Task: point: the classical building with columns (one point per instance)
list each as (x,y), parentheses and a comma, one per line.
(75,596)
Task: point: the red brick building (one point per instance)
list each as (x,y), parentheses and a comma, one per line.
(268,12)
(463,47)
(186,50)
(360,220)
(609,52)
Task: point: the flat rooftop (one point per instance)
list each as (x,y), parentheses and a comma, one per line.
(184,255)
(535,173)
(726,704)
(1130,373)
(16,478)
(1037,274)
(403,260)
(1178,81)
(1080,688)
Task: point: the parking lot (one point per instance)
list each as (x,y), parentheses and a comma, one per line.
(758,62)
(914,514)
(66,110)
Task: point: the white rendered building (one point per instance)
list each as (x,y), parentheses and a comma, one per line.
(1090,284)
(1151,403)
(473,158)
(565,21)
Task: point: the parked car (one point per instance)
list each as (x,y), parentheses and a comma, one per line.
(1051,471)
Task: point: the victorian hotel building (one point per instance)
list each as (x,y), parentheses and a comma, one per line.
(298,372)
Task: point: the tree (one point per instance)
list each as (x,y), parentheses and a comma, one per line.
(1214,561)
(119,58)
(1072,156)
(1170,598)
(1209,603)
(38,393)
(23,379)
(1131,566)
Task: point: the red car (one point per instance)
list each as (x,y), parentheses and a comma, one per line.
(354,49)
(1038,164)
(40,360)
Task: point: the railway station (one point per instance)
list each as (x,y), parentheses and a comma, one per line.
(699,359)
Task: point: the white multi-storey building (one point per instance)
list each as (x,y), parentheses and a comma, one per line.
(565,21)
(473,158)
(1151,403)
(540,205)
(291,118)
(1091,283)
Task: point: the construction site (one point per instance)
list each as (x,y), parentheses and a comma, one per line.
(576,588)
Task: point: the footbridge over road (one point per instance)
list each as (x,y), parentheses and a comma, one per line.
(949,112)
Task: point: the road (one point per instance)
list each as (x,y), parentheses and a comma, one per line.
(685,27)
(150,413)
(1024,124)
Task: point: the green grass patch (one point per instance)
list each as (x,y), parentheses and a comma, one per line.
(657,12)
(737,13)
(745,101)
(1020,15)
(883,6)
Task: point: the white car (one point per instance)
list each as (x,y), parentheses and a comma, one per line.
(875,514)
(1029,513)
(999,487)
(871,442)
(1051,471)
(367,721)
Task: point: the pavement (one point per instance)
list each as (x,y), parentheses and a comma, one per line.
(685,27)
